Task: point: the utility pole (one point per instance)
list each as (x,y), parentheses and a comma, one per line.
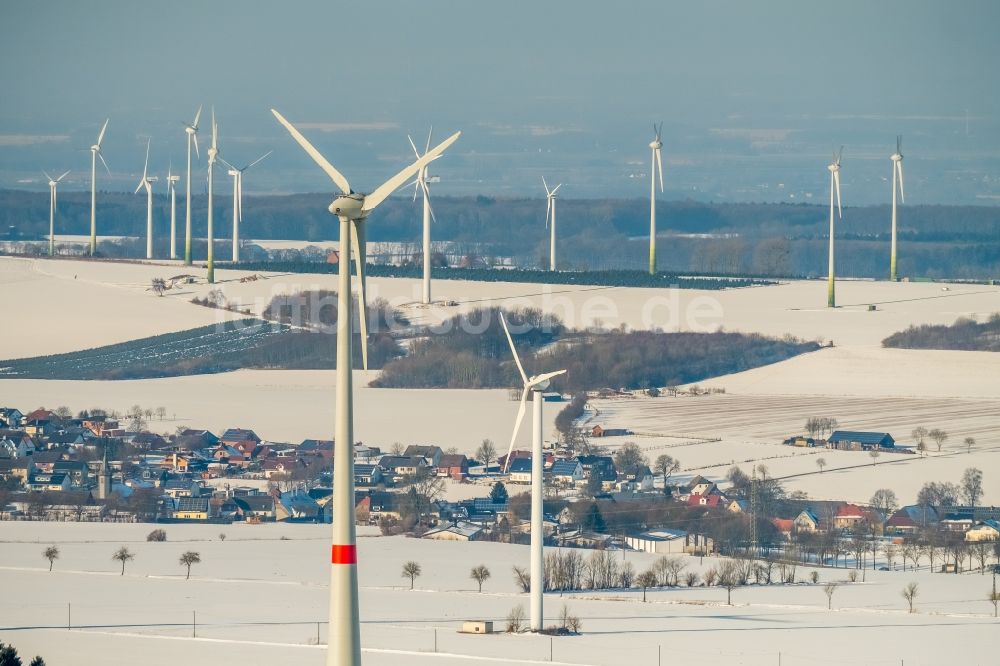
(753,514)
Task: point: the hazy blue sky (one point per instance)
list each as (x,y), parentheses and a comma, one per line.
(753,94)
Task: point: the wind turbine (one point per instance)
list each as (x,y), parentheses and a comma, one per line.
(535,385)
(351,208)
(834,167)
(420,184)
(53,183)
(237,174)
(147,182)
(95,152)
(172,186)
(192,136)
(550,212)
(213,154)
(656,167)
(897,172)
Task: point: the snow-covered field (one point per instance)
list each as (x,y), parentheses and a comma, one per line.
(749,430)
(292,405)
(259,594)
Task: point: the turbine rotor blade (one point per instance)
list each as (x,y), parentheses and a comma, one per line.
(510,341)
(145,167)
(538,379)
(517,426)
(197,115)
(659,164)
(899,167)
(416,152)
(100,137)
(556,189)
(223,160)
(546,186)
(427,198)
(430,133)
(195,138)
(836,181)
(239,195)
(390,186)
(548,210)
(62,176)
(338,178)
(47,176)
(106,167)
(257,161)
(357,235)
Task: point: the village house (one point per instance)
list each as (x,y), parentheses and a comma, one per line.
(909,520)
(601,431)
(568,473)
(191,508)
(430,454)
(398,468)
(48,481)
(807,522)
(15,444)
(850,517)
(520,471)
(699,485)
(10,417)
(984,530)
(454,466)
(19,469)
(367,475)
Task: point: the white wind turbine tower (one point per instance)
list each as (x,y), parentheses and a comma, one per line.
(53,183)
(897,172)
(351,208)
(192,137)
(213,154)
(237,174)
(95,152)
(550,219)
(834,167)
(420,185)
(656,167)
(535,385)
(172,185)
(147,182)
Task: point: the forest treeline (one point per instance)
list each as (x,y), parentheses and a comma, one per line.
(964,335)
(468,356)
(601,234)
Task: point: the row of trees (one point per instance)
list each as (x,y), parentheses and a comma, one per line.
(125,555)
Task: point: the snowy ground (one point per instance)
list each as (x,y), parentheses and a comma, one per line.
(710,433)
(292,405)
(259,594)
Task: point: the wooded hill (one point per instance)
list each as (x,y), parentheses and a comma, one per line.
(600,234)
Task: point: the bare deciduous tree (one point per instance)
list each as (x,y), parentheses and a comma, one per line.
(51,554)
(667,465)
(123,555)
(645,580)
(411,570)
(480,574)
(829,589)
(729,578)
(972,486)
(821,463)
(939,436)
(515,619)
(910,593)
(487,452)
(970,442)
(187,559)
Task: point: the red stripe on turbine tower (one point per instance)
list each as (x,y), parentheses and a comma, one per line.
(345,554)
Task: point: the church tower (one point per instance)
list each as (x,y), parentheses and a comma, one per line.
(104,479)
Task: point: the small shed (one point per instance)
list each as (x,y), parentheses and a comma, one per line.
(477,627)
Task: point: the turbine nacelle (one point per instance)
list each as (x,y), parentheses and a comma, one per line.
(834,168)
(896,157)
(656,145)
(349,206)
